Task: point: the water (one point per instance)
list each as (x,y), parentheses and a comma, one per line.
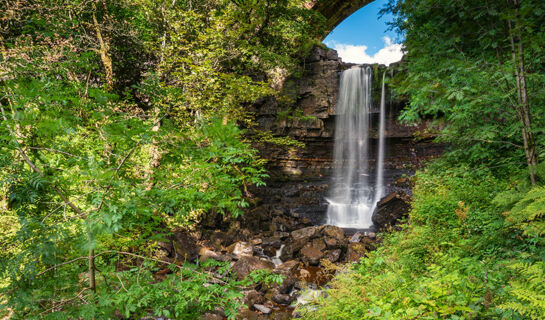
(352,198)
(379,187)
(276,259)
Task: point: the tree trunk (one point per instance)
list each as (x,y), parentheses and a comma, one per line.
(104,55)
(92,280)
(523,103)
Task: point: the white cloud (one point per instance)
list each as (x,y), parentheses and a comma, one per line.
(358,54)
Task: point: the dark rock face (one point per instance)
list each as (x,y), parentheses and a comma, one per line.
(300,176)
(391,209)
(185,246)
(247,264)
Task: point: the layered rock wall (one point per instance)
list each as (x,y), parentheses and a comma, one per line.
(311,119)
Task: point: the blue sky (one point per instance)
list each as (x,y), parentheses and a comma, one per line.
(363,37)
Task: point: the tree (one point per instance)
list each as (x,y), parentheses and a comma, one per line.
(121,124)
(477,65)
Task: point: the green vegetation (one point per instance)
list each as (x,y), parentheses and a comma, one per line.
(473,246)
(121,122)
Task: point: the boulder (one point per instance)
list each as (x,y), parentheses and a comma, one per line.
(205,254)
(311,255)
(318,243)
(287,268)
(247,264)
(304,233)
(185,247)
(334,232)
(240,249)
(252,297)
(261,308)
(391,209)
(333,255)
(355,238)
(332,243)
(280,298)
(355,252)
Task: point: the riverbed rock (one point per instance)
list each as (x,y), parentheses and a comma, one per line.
(247,264)
(185,247)
(355,252)
(311,255)
(241,248)
(205,254)
(333,255)
(280,298)
(304,233)
(391,209)
(252,297)
(287,268)
(355,238)
(262,308)
(334,232)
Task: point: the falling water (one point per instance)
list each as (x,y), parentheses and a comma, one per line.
(379,188)
(352,199)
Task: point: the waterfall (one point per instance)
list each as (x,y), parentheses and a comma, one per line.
(379,187)
(352,199)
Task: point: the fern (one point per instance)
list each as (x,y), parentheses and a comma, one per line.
(528,214)
(528,291)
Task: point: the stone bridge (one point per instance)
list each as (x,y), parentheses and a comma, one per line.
(335,11)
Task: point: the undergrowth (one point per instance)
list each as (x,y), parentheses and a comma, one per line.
(471,248)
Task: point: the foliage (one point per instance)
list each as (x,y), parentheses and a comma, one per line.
(460,72)
(457,257)
(121,123)
(528,290)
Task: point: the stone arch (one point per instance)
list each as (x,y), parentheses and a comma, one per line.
(335,11)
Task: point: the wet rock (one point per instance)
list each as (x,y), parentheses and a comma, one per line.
(391,209)
(205,254)
(311,255)
(304,233)
(318,243)
(333,243)
(370,235)
(355,238)
(287,268)
(281,298)
(269,251)
(262,308)
(355,252)
(247,264)
(287,284)
(185,247)
(220,239)
(334,232)
(253,297)
(274,242)
(281,235)
(247,314)
(240,249)
(333,255)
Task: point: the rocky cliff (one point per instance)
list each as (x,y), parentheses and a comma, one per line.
(300,176)
(311,120)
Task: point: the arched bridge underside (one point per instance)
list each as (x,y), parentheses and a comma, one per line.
(335,11)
